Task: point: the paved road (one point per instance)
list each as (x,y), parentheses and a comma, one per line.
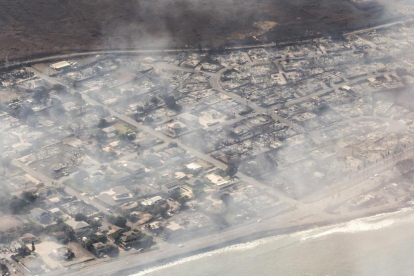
(215,83)
(308,213)
(154,51)
(48,182)
(167,139)
(192,151)
(131,260)
(381,166)
(327,90)
(383,26)
(314,211)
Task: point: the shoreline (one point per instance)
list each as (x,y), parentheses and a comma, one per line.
(258,236)
(282,224)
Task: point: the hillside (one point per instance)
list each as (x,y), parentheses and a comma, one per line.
(33,27)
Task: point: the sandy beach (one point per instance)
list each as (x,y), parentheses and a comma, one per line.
(288,223)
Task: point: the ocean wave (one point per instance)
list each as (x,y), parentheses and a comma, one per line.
(227,249)
(372,223)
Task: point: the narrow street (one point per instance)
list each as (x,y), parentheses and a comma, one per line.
(273,192)
(55,183)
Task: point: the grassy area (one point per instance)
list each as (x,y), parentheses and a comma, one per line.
(123,129)
(85,25)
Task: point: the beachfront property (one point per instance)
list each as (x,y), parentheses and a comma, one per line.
(101,149)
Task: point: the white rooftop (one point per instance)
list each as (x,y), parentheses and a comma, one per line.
(60,65)
(151,201)
(193,166)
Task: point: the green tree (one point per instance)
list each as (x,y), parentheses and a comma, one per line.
(60,88)
(95,224)
(80,217)
(28,196)
(118,221)
(103,123)
(41,94)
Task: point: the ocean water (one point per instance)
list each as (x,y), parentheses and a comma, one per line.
(378,245)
